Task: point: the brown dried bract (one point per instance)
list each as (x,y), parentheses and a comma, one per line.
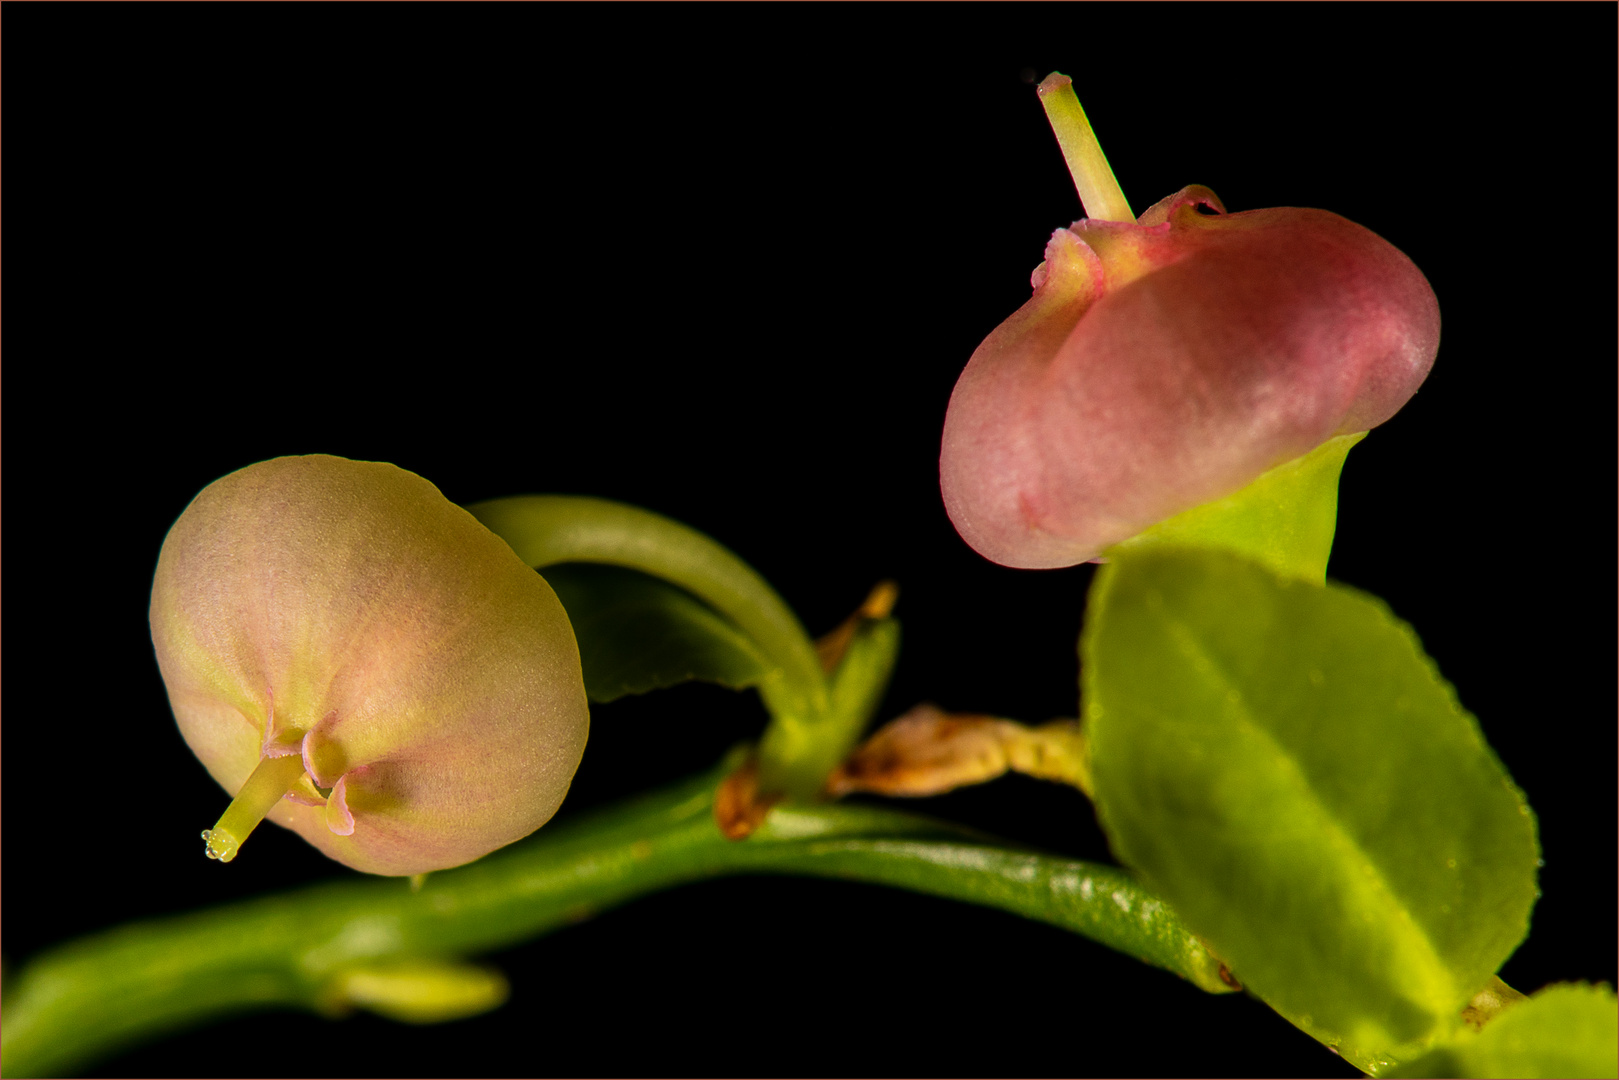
(1495,996)
(829,649)
(739,808)
(928,752)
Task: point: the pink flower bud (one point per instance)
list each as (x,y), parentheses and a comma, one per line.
(1169,361)
(362,659)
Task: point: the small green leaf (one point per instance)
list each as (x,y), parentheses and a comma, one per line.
(637,633)
(1570,1029)
(1283,763)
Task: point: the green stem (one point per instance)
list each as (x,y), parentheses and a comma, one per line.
(89,997)
(270,780)
(1099,191)
(548,529)
(797,758)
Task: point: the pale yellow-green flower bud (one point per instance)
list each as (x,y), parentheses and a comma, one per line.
(359,660)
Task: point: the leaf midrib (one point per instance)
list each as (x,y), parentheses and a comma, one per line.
(1344,841)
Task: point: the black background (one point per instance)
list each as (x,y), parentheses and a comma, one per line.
(726,264)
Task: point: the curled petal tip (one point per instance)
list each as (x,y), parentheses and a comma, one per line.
(339,819)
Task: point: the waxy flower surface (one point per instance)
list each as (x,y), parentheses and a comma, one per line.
(359,660)
(1169,361)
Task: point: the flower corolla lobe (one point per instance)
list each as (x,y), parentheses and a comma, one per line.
(348,613)
(1167,362)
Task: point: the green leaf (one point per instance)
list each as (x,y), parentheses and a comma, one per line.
(637,633)
(1283,763)
(1570,1029)
(1285,520)
(547,530)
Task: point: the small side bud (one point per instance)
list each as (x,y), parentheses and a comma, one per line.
(419,991)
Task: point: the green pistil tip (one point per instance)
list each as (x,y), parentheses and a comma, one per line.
(1099,192)
(271,779)
(221,844)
